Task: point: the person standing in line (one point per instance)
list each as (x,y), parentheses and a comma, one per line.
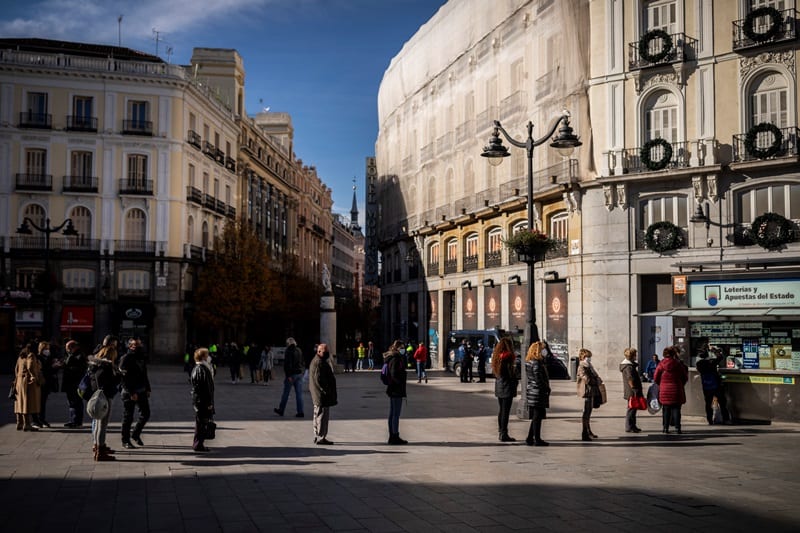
(588,382)
(27,384)
(483,355)
(266,363)
(135,393)
(631,387)
(506,368)
(75,365)
(395,389)
(712,384)
(466,361)
(234,362)
(49,364)
(322,385)
(671,376)
(202,379)
(650,369)
(371,355)
(293,377)
(421,358)
(361,354)
(105,378)
(537,392)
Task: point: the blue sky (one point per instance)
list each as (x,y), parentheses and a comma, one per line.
(319,60)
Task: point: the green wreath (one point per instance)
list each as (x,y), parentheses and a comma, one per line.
(663,236)
(646,150)
(771,231)
(752,136)
(666,46)
(774,28)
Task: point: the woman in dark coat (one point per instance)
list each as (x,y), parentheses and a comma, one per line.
(671,375)
(395,389)
(103,369)
(631,386)
(322,385)
(506,368)
(202,379)
(537,392)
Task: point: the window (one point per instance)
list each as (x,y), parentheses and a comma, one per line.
(216,188)
(769,103)
(26,278)
(519,226)
(469,180)
(433,254)
(82,220)
(135,225)
(783,199)
(206,133)
(452,250)
(133,280)
(559,226)
(81,164)
(448,186)
(82,112)
(661,117)
(471,245)
(36,161)
(205,235)
(494,240)
(662,15)
(36,213)
(192,122)
(79,278)
(411,201)
(190,230)
(37,105)
(431,192)
(137,113)
(191,175)
(668,208)
(206,180)
(517,75)
(137,170)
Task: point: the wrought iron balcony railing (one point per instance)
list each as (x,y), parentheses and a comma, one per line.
(193,138)
(136,186)
(764,31)
(81,123)
(80,184)
(137,127)
(653,52)
(492,259)
(34,182)
(766,145)
(194,195)
(28,119)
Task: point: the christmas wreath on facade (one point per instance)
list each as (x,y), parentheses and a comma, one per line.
(647,149)
(663,236)
(666,46)
(752,136)
(748,27)
(771,231)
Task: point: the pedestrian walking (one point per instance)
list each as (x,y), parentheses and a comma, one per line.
(202,379)
(394,360)
(671,376)
(27,384)
(106,378)
(421,358)
(135,393)
(711,381)
(322,385)
(631,387)
(293,377)
(537,392)
(75,365)
(588,389)
(506,369)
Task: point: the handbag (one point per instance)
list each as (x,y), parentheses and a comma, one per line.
(210,430)
(97,406)
(637,402)
(653,405)
(12,393)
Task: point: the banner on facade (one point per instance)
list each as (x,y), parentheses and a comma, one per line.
(492,304)
(469,312)
(517,307)
(555,293)
(433,328)
(371,224)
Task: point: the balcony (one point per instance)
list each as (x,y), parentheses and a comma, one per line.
(444,143)
(194,195)
(80,184)
(73,244)
(134,247)
(470,263)
(137,186)
(450,266)
(318,230)
(433,269)
(219,156)
(485,119)
(220,207)
(137,127)
(209,202)
(301,220)
(34,182)
(79,123)
(230,164)
(767,145)
(492,259)
(209,149)
(513,105)
(426,153)
(230,212)
(465,131)
(629,160)
(764,31)
(193,138)
(560,249)
(677,49)
(408,163)
(41,121)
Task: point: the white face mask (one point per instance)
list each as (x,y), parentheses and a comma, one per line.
(545,351)
(46,352)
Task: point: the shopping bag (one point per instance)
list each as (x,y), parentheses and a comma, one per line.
(210,430)
(653,405)
(637,402)
(602,390)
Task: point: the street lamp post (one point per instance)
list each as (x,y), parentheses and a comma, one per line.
(565,142)
(70,231)
(701,216)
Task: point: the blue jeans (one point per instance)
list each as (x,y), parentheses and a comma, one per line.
(99,427)
(297,383)
(360,364)
(421,370)
(395,407)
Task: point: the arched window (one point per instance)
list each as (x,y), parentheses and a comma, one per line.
(661,117)
(36,213)
(780,198)
(559,226)
(471,252)
(205,234)
(135,225)
(82,221)
(494,247)
(216,236)
(411,200)
(519,226)
(433,256)
(769,95)
(451,257)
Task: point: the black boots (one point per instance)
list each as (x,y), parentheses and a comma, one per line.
(586,435)
(505,437)
(535,434)
(394,438)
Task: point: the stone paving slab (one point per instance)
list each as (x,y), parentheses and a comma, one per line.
(265,474)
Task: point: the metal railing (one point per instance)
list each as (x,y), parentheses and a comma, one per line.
(763,25)
(465,131)
(134,246)
(450,266)
(470,263)
(193,138)
(136,186)
(137,127)
(641,245)
(632,157)
(764,141)
(80,184)
(426,153)
(81,123)
(28,119)
(492,259)
(682,49)
(34,182)
(193,194)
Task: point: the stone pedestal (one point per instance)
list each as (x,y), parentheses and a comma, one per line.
(327,322)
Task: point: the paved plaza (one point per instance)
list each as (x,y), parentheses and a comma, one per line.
(264,473)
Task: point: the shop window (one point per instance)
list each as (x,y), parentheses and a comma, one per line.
(133,280)
(79,278)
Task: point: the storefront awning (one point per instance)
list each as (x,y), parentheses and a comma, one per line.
(77,318)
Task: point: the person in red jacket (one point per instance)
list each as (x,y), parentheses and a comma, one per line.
(421,357)
(671,376)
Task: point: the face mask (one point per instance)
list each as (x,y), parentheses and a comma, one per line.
(46,352)
(545,351)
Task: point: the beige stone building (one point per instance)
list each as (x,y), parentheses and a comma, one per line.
(687,110)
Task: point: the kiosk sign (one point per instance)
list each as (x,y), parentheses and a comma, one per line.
(744,293)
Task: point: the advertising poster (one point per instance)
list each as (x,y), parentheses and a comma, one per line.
(555,293)
(491,307)
(750,349)
(470,308)
(433,328)
(517,307)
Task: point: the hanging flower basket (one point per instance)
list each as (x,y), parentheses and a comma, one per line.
(647,158)
(752,137)
(663,236)
(776,23)
(666,46)
(529,245)
(771,231)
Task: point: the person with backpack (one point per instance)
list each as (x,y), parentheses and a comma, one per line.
(293,377)
(75,365)
(712,383)
(105,378)
(393,375)
(322,385)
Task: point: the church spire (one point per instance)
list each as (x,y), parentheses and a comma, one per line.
(354,210)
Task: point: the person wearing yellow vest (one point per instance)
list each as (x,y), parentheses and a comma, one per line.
(362,355)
